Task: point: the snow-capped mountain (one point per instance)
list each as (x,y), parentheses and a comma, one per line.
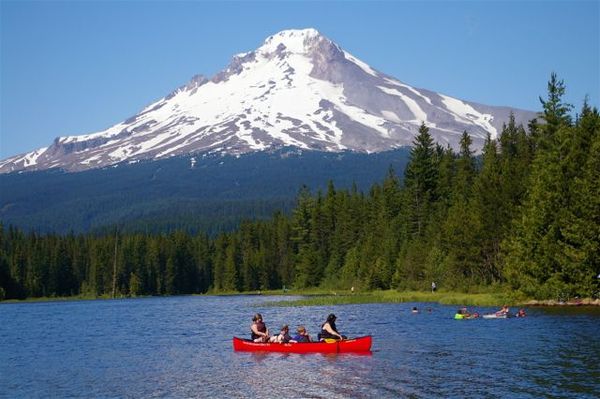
(298,89)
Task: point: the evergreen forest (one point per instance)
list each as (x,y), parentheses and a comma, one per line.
(524,216)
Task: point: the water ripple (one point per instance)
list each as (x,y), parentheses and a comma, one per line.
(181,347)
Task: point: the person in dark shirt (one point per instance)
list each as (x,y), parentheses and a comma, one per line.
(259,331)
(329,329)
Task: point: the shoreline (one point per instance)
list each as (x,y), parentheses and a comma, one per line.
(440,297)
(554,303)
(315,297)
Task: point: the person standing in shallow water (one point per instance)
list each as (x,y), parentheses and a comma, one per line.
(259,331)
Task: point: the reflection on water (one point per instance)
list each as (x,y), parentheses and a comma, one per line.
(181,347)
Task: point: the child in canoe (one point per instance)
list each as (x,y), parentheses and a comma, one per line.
(302,335)
(284,336)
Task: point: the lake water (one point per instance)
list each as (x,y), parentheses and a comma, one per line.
(181,347)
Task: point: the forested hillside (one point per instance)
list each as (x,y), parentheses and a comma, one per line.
(525,216)
(206,193)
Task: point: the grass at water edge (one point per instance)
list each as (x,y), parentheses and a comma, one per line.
(391,296)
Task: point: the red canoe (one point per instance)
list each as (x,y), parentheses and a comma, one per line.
(355,345)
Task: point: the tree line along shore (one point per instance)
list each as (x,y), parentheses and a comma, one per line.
(521,220)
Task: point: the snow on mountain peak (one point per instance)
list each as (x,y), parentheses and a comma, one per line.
(298,89)
(294,41)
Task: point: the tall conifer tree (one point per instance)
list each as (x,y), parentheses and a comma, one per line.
(420,181)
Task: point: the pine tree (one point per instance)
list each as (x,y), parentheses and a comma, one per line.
(284,250)
(579,221)
(308,271)
(465,170)
(301,218)
(556,111)
(489,206)
(152,267)
(231,278)
(320,237)
(420,181)
(461,228)
(535,261)
(203,259)
(221,245)
(446,166)
(250,264)
(134,284)
(171,277)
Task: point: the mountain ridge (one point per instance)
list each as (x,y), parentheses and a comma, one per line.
(297,89)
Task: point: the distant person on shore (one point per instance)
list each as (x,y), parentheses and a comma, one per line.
(259,330)
(329,329)
(433,287)
(302,335)
(577,301)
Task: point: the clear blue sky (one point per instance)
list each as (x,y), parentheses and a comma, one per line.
(75,67)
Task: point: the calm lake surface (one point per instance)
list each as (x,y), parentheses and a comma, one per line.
(181,347)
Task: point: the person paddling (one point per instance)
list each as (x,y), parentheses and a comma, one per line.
(260,332)
(329,329)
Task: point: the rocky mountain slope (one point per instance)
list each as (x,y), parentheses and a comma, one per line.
(298,89)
